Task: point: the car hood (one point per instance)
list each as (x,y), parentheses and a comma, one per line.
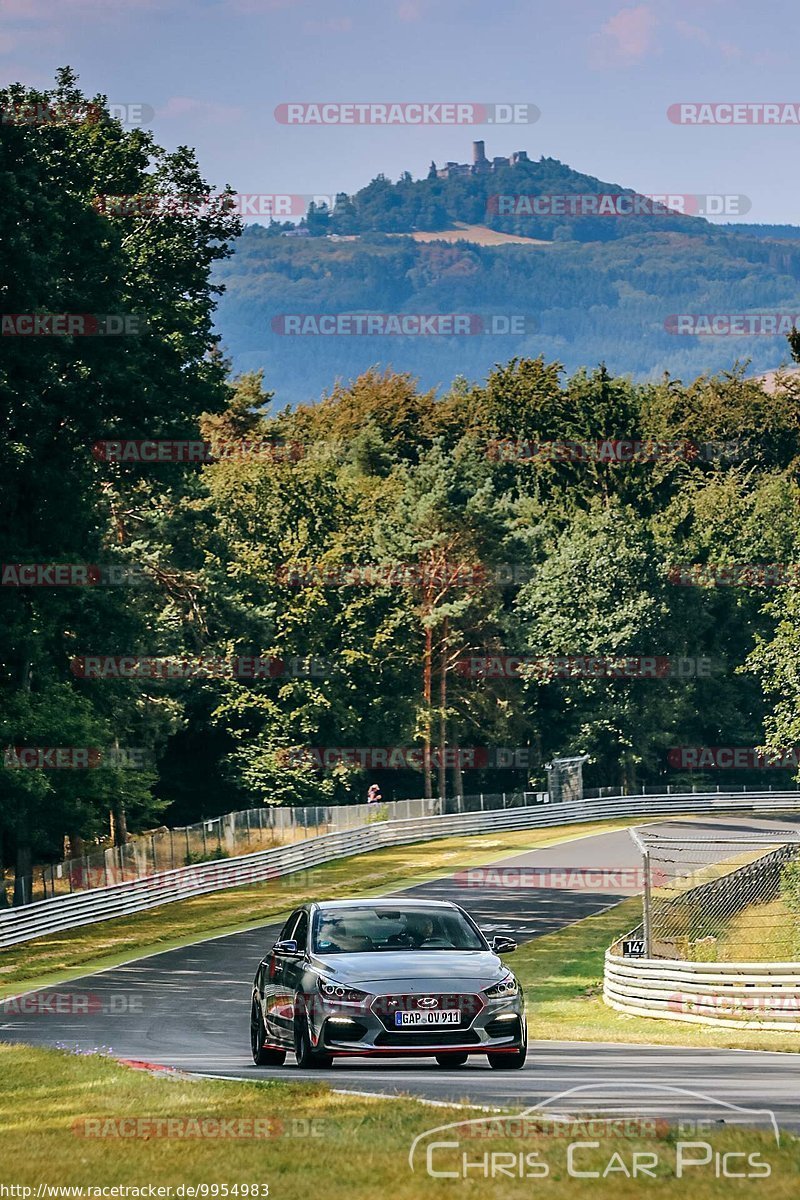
(414,970)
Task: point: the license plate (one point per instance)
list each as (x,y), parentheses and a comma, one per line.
(446,1016)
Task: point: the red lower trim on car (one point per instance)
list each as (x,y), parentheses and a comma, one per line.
(427,1052)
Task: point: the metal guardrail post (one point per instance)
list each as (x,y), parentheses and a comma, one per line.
(647,898)
(648,914)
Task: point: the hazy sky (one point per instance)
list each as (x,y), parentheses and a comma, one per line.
(603,75)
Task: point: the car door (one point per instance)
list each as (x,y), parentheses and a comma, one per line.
(278,999)
(293,968)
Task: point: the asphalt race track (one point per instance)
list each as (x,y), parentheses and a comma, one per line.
(189,1008)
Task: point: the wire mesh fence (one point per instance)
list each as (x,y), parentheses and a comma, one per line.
(239,833)
(720,897)
(263,828)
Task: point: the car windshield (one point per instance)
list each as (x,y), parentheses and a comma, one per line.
(369,929)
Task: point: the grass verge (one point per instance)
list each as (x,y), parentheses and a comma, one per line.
(88,1123)
(761,933)
(562,974)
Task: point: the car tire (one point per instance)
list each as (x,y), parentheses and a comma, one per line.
(307,1057)
(258,1034)
(508,1060)
(453,1059)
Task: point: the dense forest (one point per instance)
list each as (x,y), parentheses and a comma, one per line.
(372,546)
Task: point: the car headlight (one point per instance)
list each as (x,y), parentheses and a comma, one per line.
(500,991)
(337,991)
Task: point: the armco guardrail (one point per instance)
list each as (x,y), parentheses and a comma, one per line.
(741,995)
(234,834)
(101,904)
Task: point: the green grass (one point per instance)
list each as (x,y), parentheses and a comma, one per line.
(562,974)
(60,956)
(322,1144)
(761,933)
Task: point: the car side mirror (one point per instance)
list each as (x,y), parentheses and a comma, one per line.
(287,947)
(502,945)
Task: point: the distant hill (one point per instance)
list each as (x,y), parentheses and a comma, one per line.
(501,199)
(602,289)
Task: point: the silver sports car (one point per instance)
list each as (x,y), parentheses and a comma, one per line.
(386,977)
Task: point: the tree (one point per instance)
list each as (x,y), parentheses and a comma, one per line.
(68,251)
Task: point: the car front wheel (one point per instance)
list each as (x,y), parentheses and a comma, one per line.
(508,1060)
(304,1052)
(258,1034)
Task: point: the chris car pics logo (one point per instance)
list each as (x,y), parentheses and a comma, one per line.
(541,1142)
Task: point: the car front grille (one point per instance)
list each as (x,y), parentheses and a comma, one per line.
(385,1007)
(409,1039)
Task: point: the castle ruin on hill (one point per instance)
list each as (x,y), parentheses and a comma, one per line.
(479,164)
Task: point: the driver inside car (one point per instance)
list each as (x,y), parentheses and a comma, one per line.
(417,931)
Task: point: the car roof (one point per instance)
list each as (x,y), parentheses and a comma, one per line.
(395,902)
